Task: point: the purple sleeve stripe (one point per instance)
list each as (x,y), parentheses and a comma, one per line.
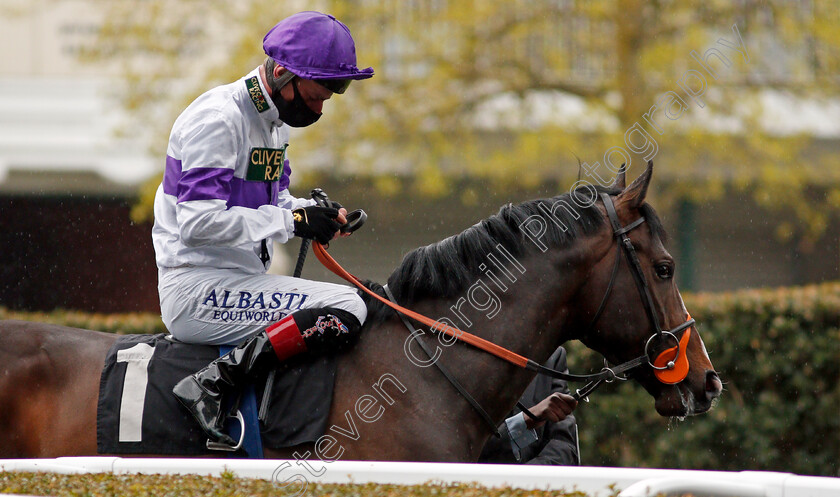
(171,175)
(205,183)
(210,183)
(251,194)
(284,180)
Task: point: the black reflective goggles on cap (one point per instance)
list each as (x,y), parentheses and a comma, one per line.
(334,85)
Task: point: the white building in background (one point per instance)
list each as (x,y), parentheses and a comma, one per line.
(58,117)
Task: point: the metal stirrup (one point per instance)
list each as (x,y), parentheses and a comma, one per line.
(211,445)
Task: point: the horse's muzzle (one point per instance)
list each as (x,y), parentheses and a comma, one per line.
(714,387)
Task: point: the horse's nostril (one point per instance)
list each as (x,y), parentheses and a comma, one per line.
(713,385)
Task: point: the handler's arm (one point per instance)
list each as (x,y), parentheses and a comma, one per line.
(560,444)
(559,439)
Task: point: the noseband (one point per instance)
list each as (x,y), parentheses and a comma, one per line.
(625,245)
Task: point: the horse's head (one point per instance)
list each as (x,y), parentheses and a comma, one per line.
(635,309)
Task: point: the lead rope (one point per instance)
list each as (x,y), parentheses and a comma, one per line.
(528,412)
(454,381)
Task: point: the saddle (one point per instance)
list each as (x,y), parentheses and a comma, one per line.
(137,413)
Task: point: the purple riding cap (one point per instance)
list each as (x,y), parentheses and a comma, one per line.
(313,45)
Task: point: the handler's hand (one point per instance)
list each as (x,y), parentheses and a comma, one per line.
(553,408)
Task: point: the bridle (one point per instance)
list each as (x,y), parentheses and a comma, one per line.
(625,245)
(662,363)
(672,359)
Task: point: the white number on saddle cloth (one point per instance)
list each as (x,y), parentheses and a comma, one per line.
(134,390)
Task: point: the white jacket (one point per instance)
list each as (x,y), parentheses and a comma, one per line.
(225,187)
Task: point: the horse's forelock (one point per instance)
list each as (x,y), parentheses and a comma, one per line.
(653,221)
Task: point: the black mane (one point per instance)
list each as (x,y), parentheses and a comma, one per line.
(448,267)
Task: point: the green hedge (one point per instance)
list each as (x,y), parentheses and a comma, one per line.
(777,352)
(123,324)
(227,485)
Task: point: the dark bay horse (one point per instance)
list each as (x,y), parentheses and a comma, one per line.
(529,278)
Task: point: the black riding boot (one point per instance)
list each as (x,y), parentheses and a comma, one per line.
(203,392)
(316,330)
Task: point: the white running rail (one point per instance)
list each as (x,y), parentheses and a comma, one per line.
(596,482)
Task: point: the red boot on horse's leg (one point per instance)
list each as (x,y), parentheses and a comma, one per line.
(313,330)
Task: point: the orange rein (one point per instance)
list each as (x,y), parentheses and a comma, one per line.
(498,351)
(667,375)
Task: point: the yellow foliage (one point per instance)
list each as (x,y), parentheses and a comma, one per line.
(431,182)
(143,210)
(388,185)
(466,88)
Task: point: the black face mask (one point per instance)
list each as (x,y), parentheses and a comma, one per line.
(295,113)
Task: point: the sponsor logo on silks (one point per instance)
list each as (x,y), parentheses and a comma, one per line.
(266,164)
(226,306)
(256,94)
(324,323)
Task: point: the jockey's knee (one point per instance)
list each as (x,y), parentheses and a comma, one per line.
(351,302)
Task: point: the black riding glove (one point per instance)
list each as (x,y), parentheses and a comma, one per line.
(334,204)
(316,222)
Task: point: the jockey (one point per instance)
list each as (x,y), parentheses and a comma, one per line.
(224,198)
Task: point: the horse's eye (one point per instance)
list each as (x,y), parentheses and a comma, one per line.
(664,271)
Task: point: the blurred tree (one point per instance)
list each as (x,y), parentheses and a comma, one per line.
(514,90)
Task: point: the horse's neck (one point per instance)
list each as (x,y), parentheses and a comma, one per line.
(532,320)
(529,317)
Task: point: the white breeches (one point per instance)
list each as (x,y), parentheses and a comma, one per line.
(225,306)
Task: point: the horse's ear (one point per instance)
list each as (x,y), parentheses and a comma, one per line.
(620,181)
(634,195)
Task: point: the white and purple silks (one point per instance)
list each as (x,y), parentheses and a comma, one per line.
(223,199)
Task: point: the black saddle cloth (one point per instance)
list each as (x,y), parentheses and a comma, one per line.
(138,414)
